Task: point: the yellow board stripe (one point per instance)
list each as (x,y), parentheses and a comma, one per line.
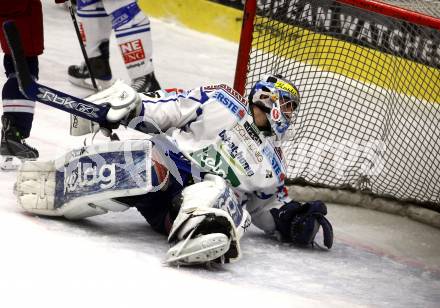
(200,15)
(359,63)
(328,53)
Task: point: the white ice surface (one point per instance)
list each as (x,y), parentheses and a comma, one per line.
(115,260)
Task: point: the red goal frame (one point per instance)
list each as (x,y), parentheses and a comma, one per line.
(250,10)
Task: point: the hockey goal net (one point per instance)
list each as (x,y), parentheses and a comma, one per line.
(369,77)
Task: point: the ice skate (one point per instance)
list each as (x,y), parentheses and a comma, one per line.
(147,83)
(13,148)
(199,250)
(79,75)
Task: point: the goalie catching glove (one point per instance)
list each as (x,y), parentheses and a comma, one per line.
(298,223)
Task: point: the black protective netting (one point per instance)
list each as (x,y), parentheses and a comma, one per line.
(370,87)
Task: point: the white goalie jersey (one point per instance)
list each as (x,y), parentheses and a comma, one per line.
(213,129)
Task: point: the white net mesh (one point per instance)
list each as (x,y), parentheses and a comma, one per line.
(427,7)
(370,87)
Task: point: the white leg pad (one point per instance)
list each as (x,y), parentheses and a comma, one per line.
(35,190)
(206,226)
(84,182)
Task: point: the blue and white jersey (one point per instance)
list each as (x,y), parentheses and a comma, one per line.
(213,128)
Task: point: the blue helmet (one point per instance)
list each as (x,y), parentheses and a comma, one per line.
(279,99)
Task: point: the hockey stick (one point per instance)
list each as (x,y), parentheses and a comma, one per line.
(37,92)
(112,136)
(81,44)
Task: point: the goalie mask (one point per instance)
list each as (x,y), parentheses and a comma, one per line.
(279,99)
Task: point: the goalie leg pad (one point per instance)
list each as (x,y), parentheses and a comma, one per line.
(209,207)
(83,182)
(35,190)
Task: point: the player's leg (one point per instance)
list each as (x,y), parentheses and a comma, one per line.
(18,114)
(157,207)
(95,27)
(133,34)
(18,111)
(209,224)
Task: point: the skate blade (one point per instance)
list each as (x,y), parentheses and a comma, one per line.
(87,83)
(12,163)
(180,260)
(9,163)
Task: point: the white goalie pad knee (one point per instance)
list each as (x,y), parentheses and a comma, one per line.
(211,207)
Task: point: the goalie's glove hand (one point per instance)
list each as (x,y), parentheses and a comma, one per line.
(124,102)
(298,223)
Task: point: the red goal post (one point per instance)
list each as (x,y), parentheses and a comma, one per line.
(369,75)
(383,8)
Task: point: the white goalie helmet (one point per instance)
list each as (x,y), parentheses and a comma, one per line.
(279,99)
